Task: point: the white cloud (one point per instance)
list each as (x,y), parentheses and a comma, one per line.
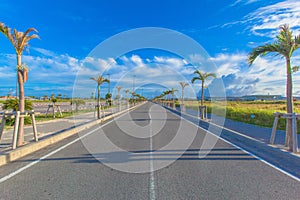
(267,75)
(243,2)
(265,21)
(44,52)
(229,63)
(57,74)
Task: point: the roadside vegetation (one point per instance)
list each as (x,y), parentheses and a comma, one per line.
(260,113)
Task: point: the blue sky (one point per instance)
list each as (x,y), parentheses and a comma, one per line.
(70,30)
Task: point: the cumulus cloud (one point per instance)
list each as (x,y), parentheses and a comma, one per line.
(53,73)
(267,75)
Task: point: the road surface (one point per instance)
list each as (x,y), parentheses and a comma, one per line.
(149,153)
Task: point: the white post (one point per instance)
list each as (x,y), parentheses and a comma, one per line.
(47,111)
(182,106)
(34,126)
(95,112)
(2,125)
(286,135)
(16,128)
(294,133)
(53,111)
(58,107)
(272,140)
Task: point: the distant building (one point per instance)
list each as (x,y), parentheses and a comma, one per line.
(261,97)
(7,97)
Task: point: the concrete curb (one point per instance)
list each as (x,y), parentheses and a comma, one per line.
(33,147)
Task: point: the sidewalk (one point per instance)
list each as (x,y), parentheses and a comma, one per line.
(47,129)
(53,131)
(262,134)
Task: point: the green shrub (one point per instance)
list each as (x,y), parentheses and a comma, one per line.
(13,104)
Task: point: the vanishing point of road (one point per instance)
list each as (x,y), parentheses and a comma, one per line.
(148,163)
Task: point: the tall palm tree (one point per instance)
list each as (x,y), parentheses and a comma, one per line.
(183,85)
(20,41)
(119,97)
(285,45)
(172,92)
(202,77)
(126,92)
(99,80)
(119,91)
(167,95)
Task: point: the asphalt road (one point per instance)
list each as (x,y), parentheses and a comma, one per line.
(149,153)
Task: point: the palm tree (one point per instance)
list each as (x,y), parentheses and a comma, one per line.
(99,80)
(172,92)
(119,90)
(119,98)
(167,95)
(285,45)
(20,41)
(183,85)
(127,91)
(202,77)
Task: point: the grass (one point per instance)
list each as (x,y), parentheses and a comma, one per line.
(252,112)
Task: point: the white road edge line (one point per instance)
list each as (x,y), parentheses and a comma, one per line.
(12,174)
(152,181)
(240,148)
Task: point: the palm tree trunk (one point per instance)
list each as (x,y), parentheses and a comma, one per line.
(182,96)
(202,101)
(21,102)
(202,94)
(98,103)
(289,102)
(173,102)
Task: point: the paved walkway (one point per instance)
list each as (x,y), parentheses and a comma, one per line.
(46,129)
(262,134)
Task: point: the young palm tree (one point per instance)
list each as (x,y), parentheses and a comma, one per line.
(202,77)
(99,80)
(183,85)
(20,41)
(285,45)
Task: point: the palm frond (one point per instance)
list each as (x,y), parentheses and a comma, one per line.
(100,79)
(7,32)
(195,78)
(183,84)
(262,51)
(206,75)
(25,38)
